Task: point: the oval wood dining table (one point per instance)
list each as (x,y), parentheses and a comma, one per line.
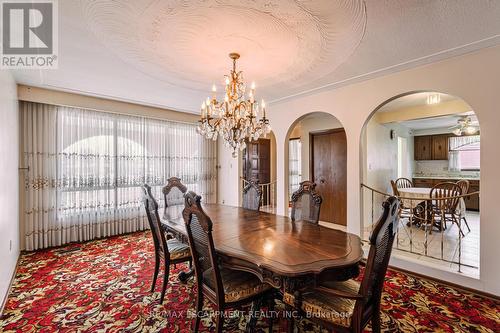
(281,252)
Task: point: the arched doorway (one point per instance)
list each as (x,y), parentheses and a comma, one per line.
(316,150)
(428,138)
(258,161)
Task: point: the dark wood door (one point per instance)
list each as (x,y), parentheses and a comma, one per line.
(257,162)
(423,147)
(328,168)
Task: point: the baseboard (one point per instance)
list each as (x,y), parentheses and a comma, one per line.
(6,296)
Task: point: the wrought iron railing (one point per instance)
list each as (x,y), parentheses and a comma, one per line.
(423,228)
(268,199)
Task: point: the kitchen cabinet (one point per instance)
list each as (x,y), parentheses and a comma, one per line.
(431,147)
(423,147)
(440,147)
(472,202)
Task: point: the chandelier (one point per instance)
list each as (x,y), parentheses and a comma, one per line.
(235,119)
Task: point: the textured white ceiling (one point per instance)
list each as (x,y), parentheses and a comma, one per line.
(166,52)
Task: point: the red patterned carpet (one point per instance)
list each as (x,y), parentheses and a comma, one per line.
(103,286)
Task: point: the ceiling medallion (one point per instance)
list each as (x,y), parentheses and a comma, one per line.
(235,119)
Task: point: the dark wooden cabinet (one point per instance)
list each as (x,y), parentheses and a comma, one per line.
(440,147)
(423,147)
(419,182)
(472,202)
(431,147)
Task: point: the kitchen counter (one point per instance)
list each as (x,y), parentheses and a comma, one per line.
(446,177)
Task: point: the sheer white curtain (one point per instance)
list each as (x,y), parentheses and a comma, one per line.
(39,127)
(86,169)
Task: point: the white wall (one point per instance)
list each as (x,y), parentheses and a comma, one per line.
(475,77)
(9,181)
(228,176)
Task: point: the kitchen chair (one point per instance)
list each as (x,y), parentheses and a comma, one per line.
(444,202)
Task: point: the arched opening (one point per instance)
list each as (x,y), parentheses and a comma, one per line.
(316,150)
(414,146)
(258,161)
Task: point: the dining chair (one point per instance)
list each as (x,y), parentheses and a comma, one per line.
(348,306)
(173,195)
(168,252)
(224,287)
(462,209)
(444,203)
(306,203)
(414,213)
(400,183)
(252,195)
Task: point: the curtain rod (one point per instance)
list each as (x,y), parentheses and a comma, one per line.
(113,112)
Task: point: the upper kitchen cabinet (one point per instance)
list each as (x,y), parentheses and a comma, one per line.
(423,147)
(431,147)
(440,147)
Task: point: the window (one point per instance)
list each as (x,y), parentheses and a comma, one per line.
(106,158)
(294,165)
(465,153)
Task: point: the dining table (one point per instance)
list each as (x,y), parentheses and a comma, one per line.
(413,197)
(283,253)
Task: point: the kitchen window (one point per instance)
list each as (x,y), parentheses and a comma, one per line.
(465,153)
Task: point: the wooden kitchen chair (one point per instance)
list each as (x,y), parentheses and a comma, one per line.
(444,203)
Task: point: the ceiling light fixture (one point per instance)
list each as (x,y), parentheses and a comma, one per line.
(433,99)
(236,118)
(465,126)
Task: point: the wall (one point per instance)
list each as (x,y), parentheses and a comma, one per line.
(475,77)
(228,176)
(380,165)
(9,181)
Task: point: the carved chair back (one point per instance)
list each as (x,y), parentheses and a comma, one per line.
(151,207)
(252,195)
(445,197)
(173,194)
(306,203)
(381,241)
(199,230)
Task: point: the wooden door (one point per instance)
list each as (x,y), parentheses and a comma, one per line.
(257,161)
(423,147)
(440,147)
(328,169)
